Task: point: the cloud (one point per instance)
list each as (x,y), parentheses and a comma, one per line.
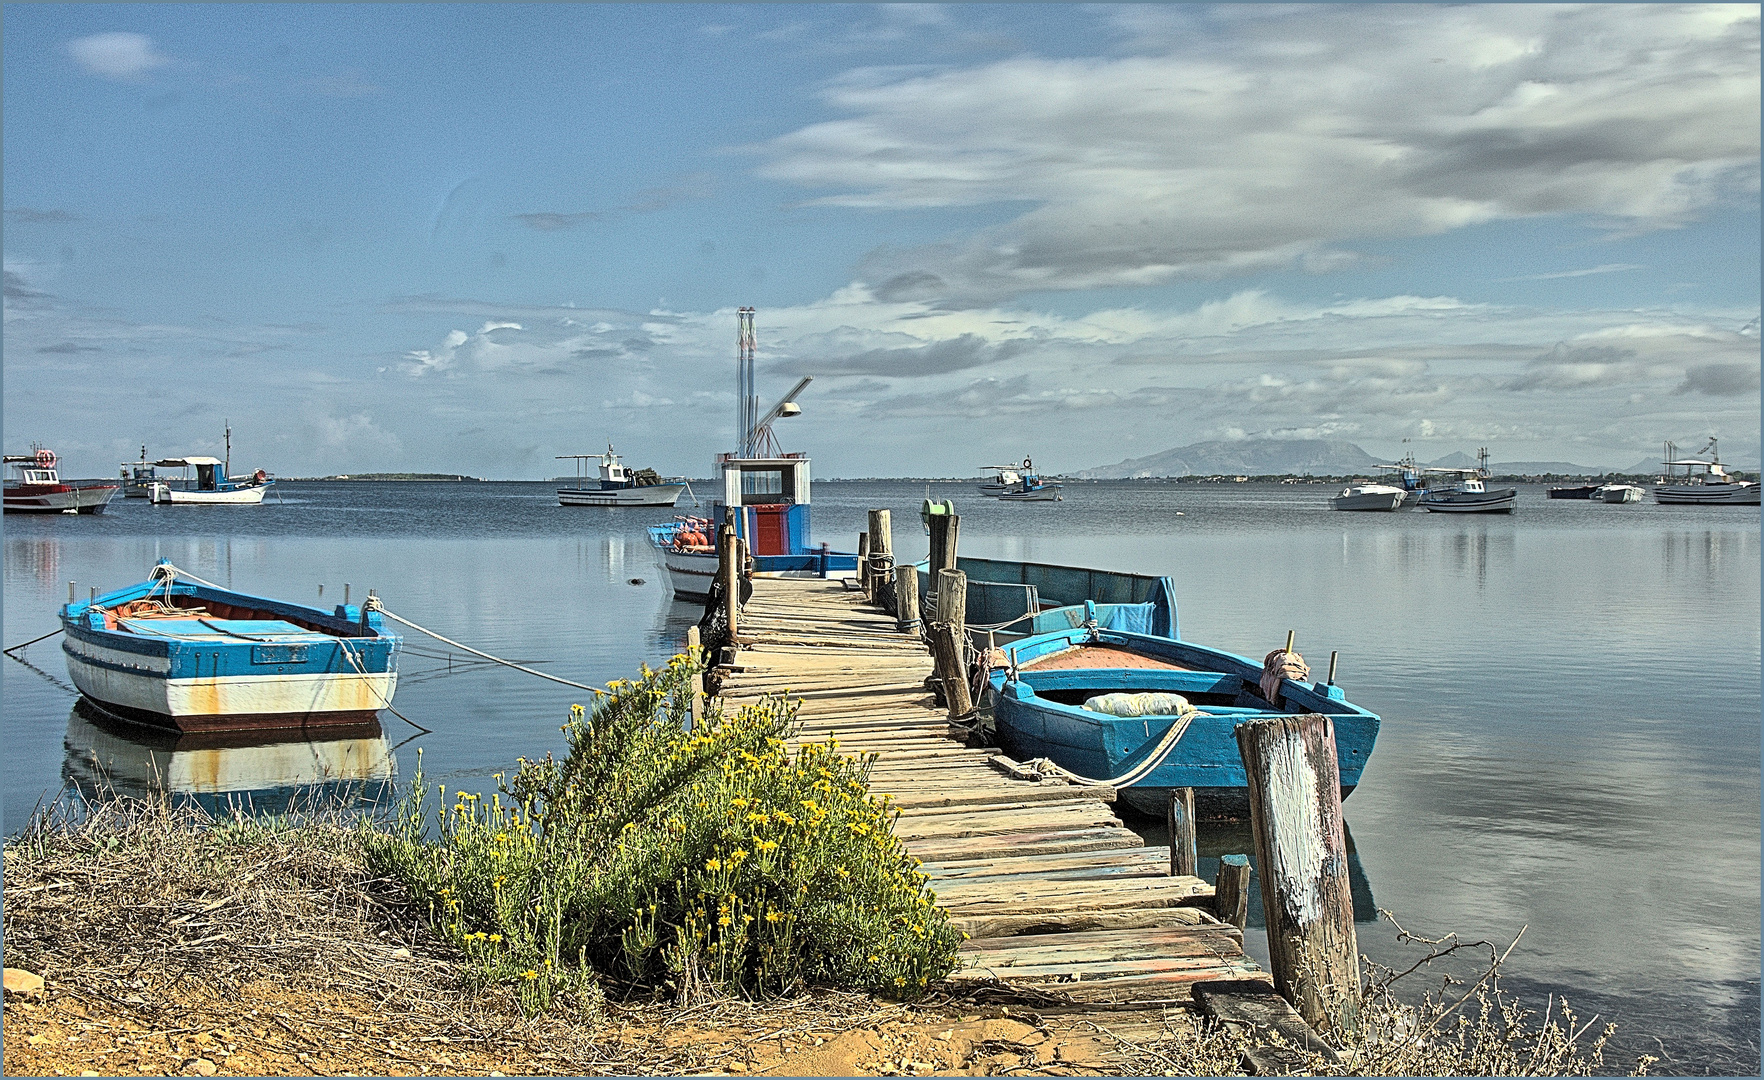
(1608,268)
(16,288)
(550,222)
(347,85)
(117,55)
(68,347)
(1275,140)
(1721,380)
(936,358)
(57,217)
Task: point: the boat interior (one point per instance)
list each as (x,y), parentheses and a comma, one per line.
(182,614)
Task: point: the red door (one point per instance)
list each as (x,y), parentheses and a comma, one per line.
(771,531)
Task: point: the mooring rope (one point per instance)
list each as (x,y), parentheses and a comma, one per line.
(1132,776)
(497,659)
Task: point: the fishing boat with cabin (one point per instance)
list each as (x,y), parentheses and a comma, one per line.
(213,482)
(765,498)
(138,477)
(1703,482)
(178,652)
(1470,495)
(619,485)
(37,487)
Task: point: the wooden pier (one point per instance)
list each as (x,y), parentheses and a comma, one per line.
(1061,901)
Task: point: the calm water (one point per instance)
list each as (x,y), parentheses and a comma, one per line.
(1570,696)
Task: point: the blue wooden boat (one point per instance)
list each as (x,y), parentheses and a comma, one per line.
(1110,633)
(181,653)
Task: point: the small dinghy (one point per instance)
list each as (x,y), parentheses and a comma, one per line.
(179,652)
(1153,713)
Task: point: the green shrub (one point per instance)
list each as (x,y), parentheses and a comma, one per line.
(664,856)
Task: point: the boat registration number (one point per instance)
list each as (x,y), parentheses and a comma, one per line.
(278,654)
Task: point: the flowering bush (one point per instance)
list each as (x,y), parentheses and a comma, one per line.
(664,855)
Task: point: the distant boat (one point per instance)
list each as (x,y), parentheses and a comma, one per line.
(618,485)
(177,653)
(138,477)
(1469,495)
(1617,493)
(765,498)
(1021,483)
(1005,478)
(213,482)
(38,489)
(1408,477)
(1584,491)
(1369,497)
(1703,482)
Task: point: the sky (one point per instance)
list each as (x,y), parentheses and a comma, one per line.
(459,238)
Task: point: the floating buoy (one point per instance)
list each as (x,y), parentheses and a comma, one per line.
(636,581)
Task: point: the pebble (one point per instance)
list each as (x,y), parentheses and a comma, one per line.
(20,981)
(204,1067)
(401,954)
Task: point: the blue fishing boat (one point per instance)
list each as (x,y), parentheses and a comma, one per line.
(765,498)
(1084,646)
(179,652)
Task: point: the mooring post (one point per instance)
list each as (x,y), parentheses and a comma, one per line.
(952,599)
(947,553)
(730,567)
(1295,815)
(1231,890)
(863,562)
(1179,815)
(695,653)
(881,551)
(906,595)
(947,649)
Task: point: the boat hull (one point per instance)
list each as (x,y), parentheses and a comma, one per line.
(58,498)
(280,666)
(1378,500)
(691,574)
(162,494)
(653,495)
(1625,493)
(1741,494)
(1043,494)
(1585,492)
(1501,501)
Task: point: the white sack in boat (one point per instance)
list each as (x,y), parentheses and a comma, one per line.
(1140,704)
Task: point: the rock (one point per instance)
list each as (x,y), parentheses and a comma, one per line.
(203,1067)
(20,981)
(401,954)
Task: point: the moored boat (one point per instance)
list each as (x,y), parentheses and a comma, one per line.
(1469,495)
(138,477)
(1004,479)
(1617,493)
(765,498)
(37,487)
(618,484)
(1100,689)
(178,652)
(1703,482)
(213,482)
(1369,497)
(1582,491)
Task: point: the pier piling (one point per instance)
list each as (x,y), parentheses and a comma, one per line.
(1231,890)
(1301,847)
(1179,816)
(906,594)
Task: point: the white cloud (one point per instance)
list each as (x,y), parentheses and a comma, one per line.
(117,55)
(1306,128)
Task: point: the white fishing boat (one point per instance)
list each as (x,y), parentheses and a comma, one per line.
(1470,495)
(1005,477)
(618,485)
(1369,497)
(1617,493)
(138,477)
(212,482)
(38,488)
(1703,481)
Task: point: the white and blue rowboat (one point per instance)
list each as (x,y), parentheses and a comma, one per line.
(182,653)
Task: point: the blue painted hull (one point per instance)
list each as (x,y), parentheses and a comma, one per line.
(1039,714)
(243,663)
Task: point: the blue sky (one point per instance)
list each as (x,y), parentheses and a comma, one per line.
(464,238)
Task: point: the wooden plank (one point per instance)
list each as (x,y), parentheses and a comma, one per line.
(982,927)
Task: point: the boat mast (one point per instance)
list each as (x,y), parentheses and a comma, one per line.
(229,458)
(747,398)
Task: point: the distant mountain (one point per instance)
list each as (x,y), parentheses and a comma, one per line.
(1244,457)
(1459,460)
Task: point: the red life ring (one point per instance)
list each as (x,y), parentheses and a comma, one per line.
(46,458)
(260,475)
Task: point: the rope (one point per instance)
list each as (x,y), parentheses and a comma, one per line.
(487,656)
(1132,776)
(355,661)
(33,641)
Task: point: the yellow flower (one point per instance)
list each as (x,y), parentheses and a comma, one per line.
(766,845)
(843,872)
(529,974)
(773,916)
(713,865)
(724,921)
(496,939)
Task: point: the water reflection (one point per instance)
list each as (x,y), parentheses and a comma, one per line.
(1215,839)
(351,767)
(38,557)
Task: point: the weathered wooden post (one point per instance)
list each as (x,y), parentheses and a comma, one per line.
(1179,816)
(863,562)
(1295,814)
(1231,890)
(881,551)
(906,594)
(947,552)
(729,560)
(952,599)
(939,525)
(695,653)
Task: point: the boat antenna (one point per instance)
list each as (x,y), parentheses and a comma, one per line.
(229,465)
